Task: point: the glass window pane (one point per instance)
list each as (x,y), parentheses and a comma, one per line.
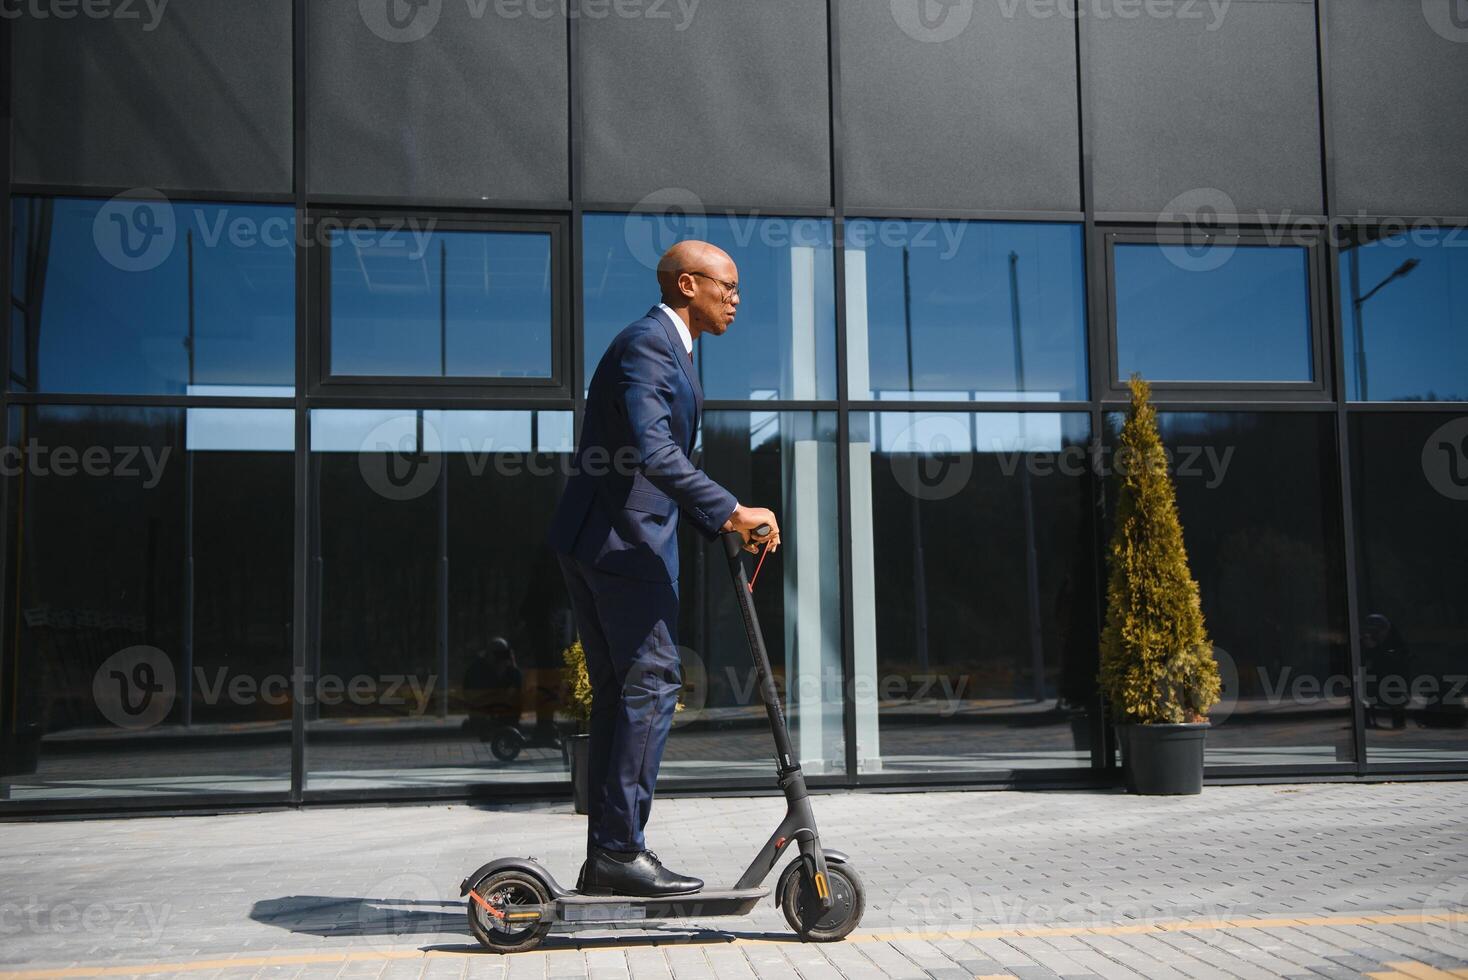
(1404,305)
(1213,313)
(1265,549)
(782,343)
(460,501)
(1410,472)
(974,591)
(130,296)
(785,461)
(153,648)
(446,304)
(972,310)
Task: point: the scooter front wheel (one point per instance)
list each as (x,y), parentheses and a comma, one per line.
(501,906)
(802,905)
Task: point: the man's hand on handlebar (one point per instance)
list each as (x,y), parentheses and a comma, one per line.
(746,519)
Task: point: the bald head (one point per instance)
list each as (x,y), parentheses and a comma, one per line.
(691,256)
(701,282)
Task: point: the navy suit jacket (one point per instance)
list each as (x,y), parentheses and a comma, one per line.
(632,478)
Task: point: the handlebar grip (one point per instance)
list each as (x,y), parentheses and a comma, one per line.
(734,541)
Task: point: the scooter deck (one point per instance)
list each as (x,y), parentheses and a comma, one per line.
(691,905)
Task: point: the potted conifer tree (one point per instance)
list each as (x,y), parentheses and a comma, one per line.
(1157,667)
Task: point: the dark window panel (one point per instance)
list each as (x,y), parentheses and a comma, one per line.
(1410,473)
(1399,133)
(152,650)
(958,106)
(196,96)
(1218,107)
(973,533)
(463,101)
(728,102)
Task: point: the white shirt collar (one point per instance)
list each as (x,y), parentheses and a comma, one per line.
(682,327)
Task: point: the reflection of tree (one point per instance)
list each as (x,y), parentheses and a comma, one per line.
(1269,590)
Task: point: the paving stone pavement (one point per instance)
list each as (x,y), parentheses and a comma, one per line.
(1309,880)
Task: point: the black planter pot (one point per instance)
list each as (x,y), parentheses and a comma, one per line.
(20,751)
(1080,731)
(1163,760)
(579,753)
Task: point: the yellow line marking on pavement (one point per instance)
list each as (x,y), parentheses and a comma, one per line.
(1418,971)
(1403,970)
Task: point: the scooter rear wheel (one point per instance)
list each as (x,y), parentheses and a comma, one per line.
(504,891)
(802,905)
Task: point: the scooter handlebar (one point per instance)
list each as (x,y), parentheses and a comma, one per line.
(734,541)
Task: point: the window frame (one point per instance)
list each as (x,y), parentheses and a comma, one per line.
(1104,364)
(321,381)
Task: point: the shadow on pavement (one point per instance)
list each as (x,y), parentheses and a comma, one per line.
(404,918)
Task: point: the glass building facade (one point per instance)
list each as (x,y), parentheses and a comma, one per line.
(290,395)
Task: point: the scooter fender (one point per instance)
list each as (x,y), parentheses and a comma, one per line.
(831,855)
(528,865)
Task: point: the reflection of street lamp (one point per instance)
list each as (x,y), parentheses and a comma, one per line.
(1357,300)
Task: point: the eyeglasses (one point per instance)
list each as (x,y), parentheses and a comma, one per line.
(732,288)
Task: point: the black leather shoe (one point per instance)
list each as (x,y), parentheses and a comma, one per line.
(632,873)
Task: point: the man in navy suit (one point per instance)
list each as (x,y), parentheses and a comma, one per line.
(615,533)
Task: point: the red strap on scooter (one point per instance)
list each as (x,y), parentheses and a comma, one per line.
(757,565)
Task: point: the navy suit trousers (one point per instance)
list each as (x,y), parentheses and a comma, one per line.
(629,630)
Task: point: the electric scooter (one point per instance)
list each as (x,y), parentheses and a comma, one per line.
(514,902)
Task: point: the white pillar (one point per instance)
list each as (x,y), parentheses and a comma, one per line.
(863,584)
(812,649)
